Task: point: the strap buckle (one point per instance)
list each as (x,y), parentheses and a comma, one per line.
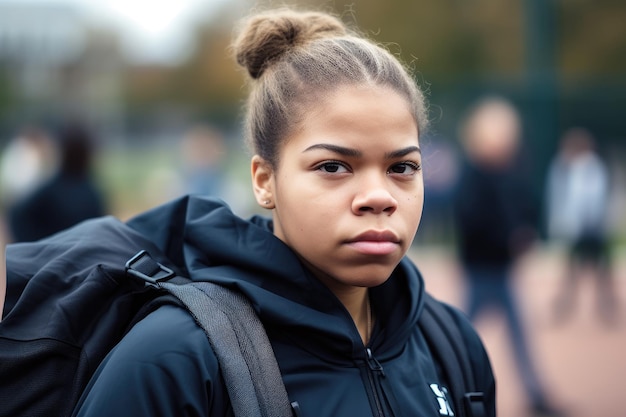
(142,266)
(475,404)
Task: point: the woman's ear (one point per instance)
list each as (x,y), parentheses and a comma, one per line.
(262,182)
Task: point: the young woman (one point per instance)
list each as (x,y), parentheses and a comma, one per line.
(334,122)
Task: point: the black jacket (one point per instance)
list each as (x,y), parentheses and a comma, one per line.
(165,366)
(494,207)
(58,204)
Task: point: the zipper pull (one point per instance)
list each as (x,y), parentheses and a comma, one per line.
(295,408)
(373,363)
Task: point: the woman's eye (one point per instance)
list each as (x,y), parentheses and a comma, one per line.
(404,168)
(332,167)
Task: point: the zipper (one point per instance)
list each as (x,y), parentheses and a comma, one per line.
(375,372)
(373,363)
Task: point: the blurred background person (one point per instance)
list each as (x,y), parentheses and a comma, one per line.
(440,160)
(578,191)
(496,215)
(70,196)
(203,149)
(27,160)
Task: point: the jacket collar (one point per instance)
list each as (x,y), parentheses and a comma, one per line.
(209,243)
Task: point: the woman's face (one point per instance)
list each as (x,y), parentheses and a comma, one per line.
(348,189)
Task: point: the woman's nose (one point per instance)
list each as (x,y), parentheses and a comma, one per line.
(374,197)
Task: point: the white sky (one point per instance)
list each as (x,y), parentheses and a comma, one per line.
(152,30)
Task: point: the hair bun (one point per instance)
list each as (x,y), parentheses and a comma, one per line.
(268,36)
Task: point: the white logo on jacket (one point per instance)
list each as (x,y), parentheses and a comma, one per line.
(444,405)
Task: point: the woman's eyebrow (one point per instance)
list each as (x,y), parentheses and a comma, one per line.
(336,149)
(403,152)
(341,150)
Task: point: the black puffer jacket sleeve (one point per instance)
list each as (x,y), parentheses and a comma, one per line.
(164,367)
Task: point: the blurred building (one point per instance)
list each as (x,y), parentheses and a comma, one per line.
(37,40)
(55,63)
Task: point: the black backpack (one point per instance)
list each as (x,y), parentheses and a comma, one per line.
(75,298)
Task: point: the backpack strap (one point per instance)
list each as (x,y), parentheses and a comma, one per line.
(447,344)
(236,334)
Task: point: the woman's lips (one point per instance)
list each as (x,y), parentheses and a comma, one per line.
(373,247)
(375,242)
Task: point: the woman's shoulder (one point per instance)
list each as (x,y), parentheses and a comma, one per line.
(470,335)
(166,356)
(169,329)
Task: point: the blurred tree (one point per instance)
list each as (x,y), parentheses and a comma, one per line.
(442,39)
(7,101)
(205,85)
(450,43)
(459,46)
(592,39)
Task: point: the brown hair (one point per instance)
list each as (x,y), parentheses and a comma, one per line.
(296,57)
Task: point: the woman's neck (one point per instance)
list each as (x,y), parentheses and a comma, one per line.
(356,301)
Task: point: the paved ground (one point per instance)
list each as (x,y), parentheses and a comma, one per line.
(582,361)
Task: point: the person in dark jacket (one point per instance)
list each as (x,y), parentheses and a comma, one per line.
(334,122)
(496,216)
(70,196)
